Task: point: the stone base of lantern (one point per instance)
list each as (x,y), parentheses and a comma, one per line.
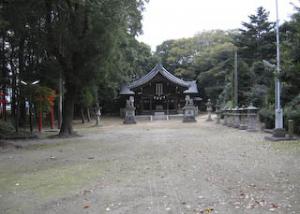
(189,114)
(129,116)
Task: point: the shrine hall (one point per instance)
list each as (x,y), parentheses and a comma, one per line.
(159,91)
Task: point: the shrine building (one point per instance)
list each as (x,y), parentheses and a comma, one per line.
(159,91)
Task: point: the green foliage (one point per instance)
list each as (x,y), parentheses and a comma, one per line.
(291,58)
(6,128)
(293,114)
(207,57)
(267,116)
(87,99)
(41,97)
(256,40)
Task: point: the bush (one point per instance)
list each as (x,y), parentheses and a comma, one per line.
(293,114)
(6,128)
(267,116)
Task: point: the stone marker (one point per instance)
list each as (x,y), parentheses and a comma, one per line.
(291,129)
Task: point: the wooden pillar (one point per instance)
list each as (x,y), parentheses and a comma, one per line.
(142,104)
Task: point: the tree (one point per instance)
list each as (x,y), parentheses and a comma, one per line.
(255,43)
(256,40)
(82,35)
(208,57)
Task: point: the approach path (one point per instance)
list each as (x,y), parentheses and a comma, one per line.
(157,167)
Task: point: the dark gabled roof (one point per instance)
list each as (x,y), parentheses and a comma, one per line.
(190,85)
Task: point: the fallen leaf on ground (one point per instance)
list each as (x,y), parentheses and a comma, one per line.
(86,206)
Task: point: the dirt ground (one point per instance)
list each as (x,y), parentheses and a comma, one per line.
(151,167)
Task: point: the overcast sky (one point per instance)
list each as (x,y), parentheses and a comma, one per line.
(172,19)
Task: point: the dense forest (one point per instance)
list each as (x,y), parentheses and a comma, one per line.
(90,46)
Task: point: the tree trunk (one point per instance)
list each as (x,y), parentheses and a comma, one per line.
(14,98)
(21,65)
(22,106)
(68,111)
(3,72)
(88,114)
(82,114)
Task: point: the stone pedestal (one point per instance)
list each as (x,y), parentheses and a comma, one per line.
(252,118)
(189,113)
(279,133)
(218,112)
(236,118)
(230,118)
(243,119)
(225,114)
(129,115)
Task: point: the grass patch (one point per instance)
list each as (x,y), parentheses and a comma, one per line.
(290,146)
(53,183)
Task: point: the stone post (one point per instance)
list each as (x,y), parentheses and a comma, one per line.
(252,118)
(291,129)
(209,110)
(98,116)
(189,110)
(130,111)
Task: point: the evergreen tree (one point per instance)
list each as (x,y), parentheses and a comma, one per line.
(256,40)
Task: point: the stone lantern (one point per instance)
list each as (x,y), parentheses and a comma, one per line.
(209,110)
(252,118)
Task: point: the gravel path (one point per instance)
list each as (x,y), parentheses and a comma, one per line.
(157,167)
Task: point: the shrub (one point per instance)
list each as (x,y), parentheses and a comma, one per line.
(267,116)
(292,112)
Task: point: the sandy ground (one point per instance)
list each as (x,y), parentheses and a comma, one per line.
(154,167)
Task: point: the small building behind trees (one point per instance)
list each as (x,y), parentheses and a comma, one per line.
(159,91)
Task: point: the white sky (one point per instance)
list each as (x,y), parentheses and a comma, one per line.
(173,19)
